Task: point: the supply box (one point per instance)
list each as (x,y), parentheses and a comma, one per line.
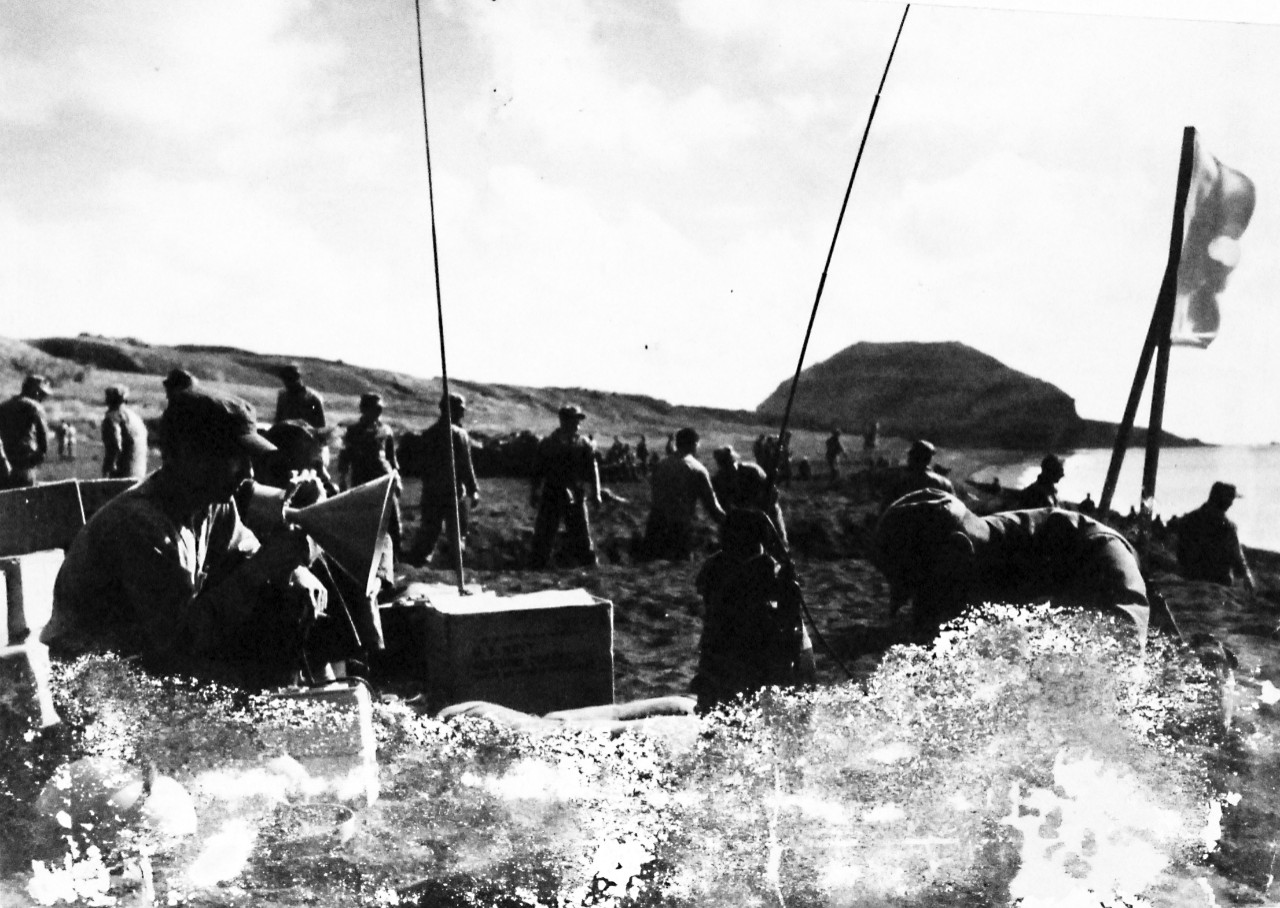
(536,652)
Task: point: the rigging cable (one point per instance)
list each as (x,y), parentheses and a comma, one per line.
(781,450)
(455,536)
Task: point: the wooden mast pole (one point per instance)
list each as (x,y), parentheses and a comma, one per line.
(1157,343)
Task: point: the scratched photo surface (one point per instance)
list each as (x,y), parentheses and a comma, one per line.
(963,216)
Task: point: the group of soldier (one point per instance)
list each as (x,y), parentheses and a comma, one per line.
(185,573)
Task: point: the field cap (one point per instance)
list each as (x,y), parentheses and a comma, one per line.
(370,399)
(116,393)
(290,371)
(34,383)
(572,411)
(1224,491)
(725,454)
(686,436)
(178,380)
(1052,463)
(214,423)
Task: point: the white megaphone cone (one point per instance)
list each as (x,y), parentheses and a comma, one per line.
(351,527)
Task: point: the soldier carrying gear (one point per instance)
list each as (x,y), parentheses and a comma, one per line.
(941,556)
(565,477)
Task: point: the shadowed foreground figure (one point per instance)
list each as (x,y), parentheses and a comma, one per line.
(168,571)
(941,556)
(752,632)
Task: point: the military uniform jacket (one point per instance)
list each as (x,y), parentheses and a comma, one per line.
(566,460)
(303,404)
(368,451)
(435,458)
(23,432)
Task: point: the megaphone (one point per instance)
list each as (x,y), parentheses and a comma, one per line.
(351,527)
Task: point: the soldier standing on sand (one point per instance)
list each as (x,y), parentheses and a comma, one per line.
(678,483)
(1208,544)
(835,450)
(24,432)
(296,400)
(1043,493)
(441,440)
(564,474)
(124,438)
(369,453)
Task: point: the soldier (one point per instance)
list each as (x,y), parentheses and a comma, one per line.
(124,438)
(642,455)
(168,572)
(941,556)
(678,483)
(442,439)
(368,453)
(918,475)
(1043,493)
(753,635)
(565,478)
(296,400)
(176,381)
(24,431)
(1208,544)
(835,450)
(742,484)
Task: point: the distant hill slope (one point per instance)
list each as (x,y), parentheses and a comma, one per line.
(82,366)
(948,392)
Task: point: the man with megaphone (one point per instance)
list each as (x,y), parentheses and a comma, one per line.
(168,572)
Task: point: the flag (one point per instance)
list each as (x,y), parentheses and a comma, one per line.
(1219,205)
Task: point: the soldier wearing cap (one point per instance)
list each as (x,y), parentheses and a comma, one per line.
(444,488)
(24,431)
(919,474)
(124,438)
(1043,493)
(177,380)
(168,572)
(1208,543)
(369,453)
(678,483)
(565,477)
(296,401)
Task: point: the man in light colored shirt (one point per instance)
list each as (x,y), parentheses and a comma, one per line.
(678,483)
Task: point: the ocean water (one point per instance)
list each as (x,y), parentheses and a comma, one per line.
(1182,483)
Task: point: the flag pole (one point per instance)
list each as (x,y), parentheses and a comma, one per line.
(1157,337)
(781,452)
(455,534)
(1165,305)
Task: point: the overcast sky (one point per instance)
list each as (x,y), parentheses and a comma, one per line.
(639,196)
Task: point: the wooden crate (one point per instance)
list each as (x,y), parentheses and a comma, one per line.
(536,652)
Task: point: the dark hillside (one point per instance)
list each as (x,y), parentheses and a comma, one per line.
(947,392)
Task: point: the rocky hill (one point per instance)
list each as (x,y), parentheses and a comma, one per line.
(947,392)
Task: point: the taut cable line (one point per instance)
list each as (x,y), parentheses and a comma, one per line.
(781,450)
(455,535)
